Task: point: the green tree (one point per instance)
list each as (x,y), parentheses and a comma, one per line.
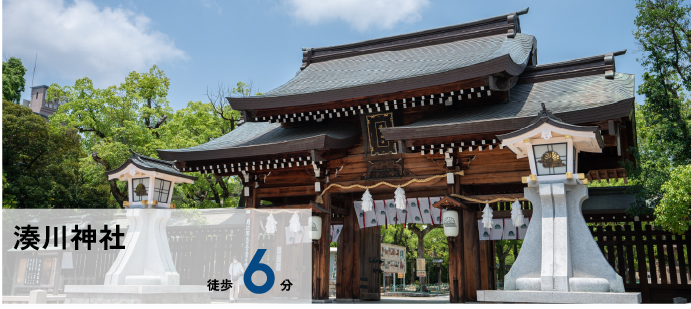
(136,115)
(664,120)
(13,79)
(193,125)
(674,210)
(113,120)
(40,165)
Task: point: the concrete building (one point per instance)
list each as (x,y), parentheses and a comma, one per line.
(39,104)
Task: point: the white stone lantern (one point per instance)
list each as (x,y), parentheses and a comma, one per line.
(559,261)
(144,271)
(150,181)
(552,148)
(315,224)
(450,221)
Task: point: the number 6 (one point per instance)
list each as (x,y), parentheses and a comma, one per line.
(254,266)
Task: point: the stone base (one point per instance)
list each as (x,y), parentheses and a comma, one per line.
(547,297)
(137,294)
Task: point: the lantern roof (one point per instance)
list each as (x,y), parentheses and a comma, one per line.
(149,164)
(546,126)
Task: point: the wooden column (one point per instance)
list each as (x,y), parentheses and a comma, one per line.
(456,260)
(486,262)
(471,254)
(348,256)
(320,256)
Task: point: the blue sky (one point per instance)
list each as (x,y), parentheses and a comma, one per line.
(203,43)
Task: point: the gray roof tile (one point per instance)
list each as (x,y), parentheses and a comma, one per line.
(562,97)
(262,138)
(385,66)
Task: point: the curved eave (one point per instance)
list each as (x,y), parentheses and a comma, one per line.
(619,109)
(147,168)
(500,65)
(322,141)
(562,125)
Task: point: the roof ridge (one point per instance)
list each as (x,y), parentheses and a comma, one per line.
(571,61)
(505,23)
(591,65)
(140,156)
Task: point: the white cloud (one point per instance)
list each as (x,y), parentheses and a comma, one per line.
(360,14)
(82,40)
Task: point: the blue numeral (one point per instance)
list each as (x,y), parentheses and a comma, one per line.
(256,265)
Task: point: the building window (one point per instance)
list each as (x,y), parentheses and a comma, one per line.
(161,190)
(140,193)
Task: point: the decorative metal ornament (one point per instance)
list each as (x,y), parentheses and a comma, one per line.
(551,159)
(547,134)
(140,190)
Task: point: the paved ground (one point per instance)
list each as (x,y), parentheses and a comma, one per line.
(385,300)
(409,300)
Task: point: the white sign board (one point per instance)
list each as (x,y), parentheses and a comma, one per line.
(393,258)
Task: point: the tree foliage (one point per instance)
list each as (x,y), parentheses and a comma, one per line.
(113,120)
(41,165)
(136,115)
(664,120)
(675,205)
(13,79)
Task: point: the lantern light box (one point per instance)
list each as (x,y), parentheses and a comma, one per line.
(141,172)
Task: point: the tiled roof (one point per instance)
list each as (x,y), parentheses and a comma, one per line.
(574,100)
(151,164)
(415,60)
(385,66)
(263,138)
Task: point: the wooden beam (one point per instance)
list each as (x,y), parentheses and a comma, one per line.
(286,191)
(493,196)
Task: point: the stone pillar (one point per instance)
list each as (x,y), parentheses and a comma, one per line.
(562,254)
(547,257)
(559,255)
(144,271)
(146,258)
(569,259)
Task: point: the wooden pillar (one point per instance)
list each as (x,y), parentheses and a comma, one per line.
(471,254)
(320,256)
(348,256)
(456,260)
(486,262)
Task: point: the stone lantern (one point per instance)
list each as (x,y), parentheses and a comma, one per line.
(559,261)
(144,272)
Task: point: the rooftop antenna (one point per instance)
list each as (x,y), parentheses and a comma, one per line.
(34,74)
